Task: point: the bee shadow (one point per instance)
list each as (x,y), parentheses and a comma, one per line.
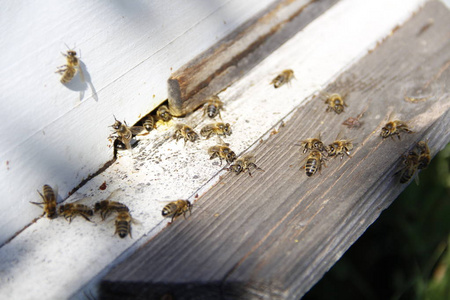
(80,83)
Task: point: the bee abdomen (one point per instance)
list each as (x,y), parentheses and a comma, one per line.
(149,123)
(311,167)
(123,228)
(212,111)
(407,175)
(169,209)
(68,75)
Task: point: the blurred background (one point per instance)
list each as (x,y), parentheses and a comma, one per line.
(405,253)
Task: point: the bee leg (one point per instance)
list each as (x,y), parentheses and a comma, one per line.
(37,203)
(61,69)
(256,167)
(220,161)
(85,217)
(127,144)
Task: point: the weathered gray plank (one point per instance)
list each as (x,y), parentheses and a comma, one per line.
(275,234)
(215,69)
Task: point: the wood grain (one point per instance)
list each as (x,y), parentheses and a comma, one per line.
(236,54)
(274,235)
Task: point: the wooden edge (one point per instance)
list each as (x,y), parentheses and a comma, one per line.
(232,57)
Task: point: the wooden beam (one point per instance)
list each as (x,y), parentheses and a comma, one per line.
(215,69)
(275,234)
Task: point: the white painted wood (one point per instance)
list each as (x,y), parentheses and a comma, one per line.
(55,134)
(54,259)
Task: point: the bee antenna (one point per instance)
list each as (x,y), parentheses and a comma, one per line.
(114,117)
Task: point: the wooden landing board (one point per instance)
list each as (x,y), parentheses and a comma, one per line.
(274,235)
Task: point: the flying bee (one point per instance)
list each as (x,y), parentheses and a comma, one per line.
(186,132)
(394,128)
(424,154)
(49,201)
(125,133)
(221,129)
(411,163)
(106,207)
(123,224)
(339,147)
(70,69)
(212,107)
(243,164)
(149,123)
(163,113)
(71,210)
(336,103)
(284,77)
(314,162)
(312,144)
(176,208)
(222,151)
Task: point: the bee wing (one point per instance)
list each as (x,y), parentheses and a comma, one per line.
(80,199)
(113,194)
(167,201)
(221,142)
(80,70)
(303,161)
(136,221)
(416,178)
(250,158)
(391,116)
(135,130)
(340,135)
(322,95)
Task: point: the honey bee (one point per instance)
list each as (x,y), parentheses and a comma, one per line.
(394,128)
(312,144)
(71,210)
(49,198)
(106,207)
(176,208)
(314,163)
(221,129)
(125,133)
(424,155)
(284,77)
(243,164)
(336,103)
(411,163)
(186,132)
(212,107)
(222,151)
(163,113)
(123,224)
(69,70)
(149,123)
(339,147)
